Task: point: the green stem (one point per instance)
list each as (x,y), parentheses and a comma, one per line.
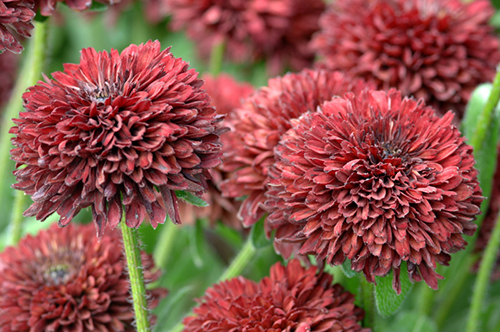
(451,291)
(240,262)
(16,219)
(485,118)
(368,299)
(29,75)
(483,279)
(217,57)
(166,242)
(236,268)
(133,254)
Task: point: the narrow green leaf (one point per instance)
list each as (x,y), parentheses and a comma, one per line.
(412,321)
(485,152)
(197,243)
(346,268)
(190,198)
(258,234)
(386,299)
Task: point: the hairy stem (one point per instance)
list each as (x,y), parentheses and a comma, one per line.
(133,254)
(217,57)
(368,300)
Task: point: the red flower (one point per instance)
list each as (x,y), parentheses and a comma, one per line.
(226,94)
(291,299)
(17,16)
(114,130)
(376,179)
(439,50)
(276,30)
(259,124)
(67,280)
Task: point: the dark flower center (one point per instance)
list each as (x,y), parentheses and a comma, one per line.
(57,275)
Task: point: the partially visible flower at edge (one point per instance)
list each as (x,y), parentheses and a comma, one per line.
(67,280)
(8,73)
(377,179)
(112,131)
(438,50)
(47,7)
(292,298)
(257,127)
(15,16)
(278,31)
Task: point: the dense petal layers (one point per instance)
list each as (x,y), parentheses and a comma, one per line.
(15,16)
(276,30)
(257,127)
(292,298)
(376,179)
(439,50)
(113,131)
(66,280)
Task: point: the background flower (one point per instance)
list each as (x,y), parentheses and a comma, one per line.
(67,280)
(376,179)
(293,298)
(258,125)
(15,16)
(226,94)
(276,30)
(113,130)
(439,50)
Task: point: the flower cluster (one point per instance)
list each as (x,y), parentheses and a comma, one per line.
(275,30)
(114,130)
(439,50)
(15,16)
(292,298)
(258,125)
(377,179)
(67,280)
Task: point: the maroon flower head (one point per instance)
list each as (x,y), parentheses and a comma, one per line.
(376,179)
(276,30)
(66,280)
(15,16)
(226,94)
(439,50)
(47,7)
(112,131)
(293,298)
(259,124)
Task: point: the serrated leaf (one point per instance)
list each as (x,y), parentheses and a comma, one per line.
(412,321)
(346,268)
(190,198)
(386,299)
(258,234)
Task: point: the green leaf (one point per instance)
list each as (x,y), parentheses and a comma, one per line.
(496,3)
(412,321)
(258,234)
(346,268)
(386,299)
(190,198)
(485,153)
(197,243)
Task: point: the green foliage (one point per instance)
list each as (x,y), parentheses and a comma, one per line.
(190,198)
(258,235)
(411,321)
(386,299)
